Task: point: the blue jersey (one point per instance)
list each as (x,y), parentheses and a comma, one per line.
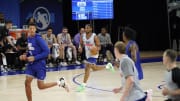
(38,48)
(138,60)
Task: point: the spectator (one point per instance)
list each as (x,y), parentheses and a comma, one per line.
(105,41)
(64,40)
(5,38)
(50,39)
(21,45)
(31,20)
(2,19)
(76,42)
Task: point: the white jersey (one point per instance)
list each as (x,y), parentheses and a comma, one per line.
(88,43)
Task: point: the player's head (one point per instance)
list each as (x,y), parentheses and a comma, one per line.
(103,30)
(8,24)
(129,34)
(49,30)
(169,56)
(88,28)
(119,48)
(32,29)
(64,30)
(81,30)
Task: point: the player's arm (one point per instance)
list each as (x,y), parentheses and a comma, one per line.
(69,40)
(175,92)
(128,73)
(133,50)
(59,39)
(109,40)
(45,50)
(97,42)
(81,45)
(166,91)
(54,39)
(128,86)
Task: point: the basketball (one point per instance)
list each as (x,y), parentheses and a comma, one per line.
(94,50)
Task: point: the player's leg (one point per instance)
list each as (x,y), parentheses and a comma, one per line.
(81,87)
(74,54)
(91,64)
(28,87)
(41,74)
(87,72)
(61,53)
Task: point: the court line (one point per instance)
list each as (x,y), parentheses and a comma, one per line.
(76,82)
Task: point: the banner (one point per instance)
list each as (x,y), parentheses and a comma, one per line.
(44,14)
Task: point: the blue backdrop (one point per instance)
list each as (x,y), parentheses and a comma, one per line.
(44,13)
(10,8)
(19,12)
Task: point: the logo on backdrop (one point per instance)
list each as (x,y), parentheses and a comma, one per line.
(42,17)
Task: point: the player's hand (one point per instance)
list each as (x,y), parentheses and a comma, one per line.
(122,98)
(30,58)
(23,57)
(117,90)
(80,49)
(165,91)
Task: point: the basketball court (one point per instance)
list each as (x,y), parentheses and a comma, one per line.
(99,86)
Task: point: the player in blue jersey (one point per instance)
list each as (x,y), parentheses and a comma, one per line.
(132,49)
(36,67)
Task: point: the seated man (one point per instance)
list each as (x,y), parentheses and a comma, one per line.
(21,45)
(76,42)
(64,41)
(50,39)
(105,41)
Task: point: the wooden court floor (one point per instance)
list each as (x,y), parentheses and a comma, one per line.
(99,85)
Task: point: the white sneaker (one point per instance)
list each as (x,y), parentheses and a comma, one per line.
(63,63)
(63,84)
(77,62)
(110,67)
(51,65)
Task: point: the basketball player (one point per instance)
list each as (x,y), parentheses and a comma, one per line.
(91,43)
(132,49)
(50,39)
(36,68)
(172,76)
(130,87)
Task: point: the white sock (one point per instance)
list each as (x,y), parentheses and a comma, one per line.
(58,82)
(107,67)
(84,84)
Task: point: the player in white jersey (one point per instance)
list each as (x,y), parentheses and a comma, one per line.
(92,46)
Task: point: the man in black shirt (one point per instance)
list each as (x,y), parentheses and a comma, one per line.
(21,45)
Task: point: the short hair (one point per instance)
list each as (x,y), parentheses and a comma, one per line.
(104,28)
(64,28)
(49,28)
(120,46)
(89,25)
(172,54)
(130,33)
(31,24)
(8,22)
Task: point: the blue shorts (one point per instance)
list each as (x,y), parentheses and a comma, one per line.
(92,60)
(37,70)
